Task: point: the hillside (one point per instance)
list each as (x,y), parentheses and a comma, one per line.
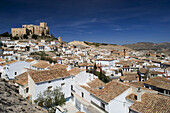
(12,102)
(78,43)
(148,46)
(97,45)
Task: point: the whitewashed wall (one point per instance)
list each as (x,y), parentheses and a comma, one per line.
(120,104)
(66,89)
(16,67)
(31,85)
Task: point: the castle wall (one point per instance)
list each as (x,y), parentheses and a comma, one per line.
(31,29)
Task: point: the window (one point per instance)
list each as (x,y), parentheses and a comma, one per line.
(15,73)
(27,89)
(147,86)
(49,81)
(71,87)
(82,94)
(102,105)
(72,95)
(62,78)
(62,84)
(49,88)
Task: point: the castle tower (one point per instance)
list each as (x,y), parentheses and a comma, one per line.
(59,39)
(43,24)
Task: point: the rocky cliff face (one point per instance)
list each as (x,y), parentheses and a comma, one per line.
(12,102)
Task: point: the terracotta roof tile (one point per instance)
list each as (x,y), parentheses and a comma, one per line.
(75,71)
(12,61)
(29,60)
(96,83)
(143,70)
(139,84)
(47,75)
(85,64)
(41,64)
(2,64)
(152,103)
(131,97)
(105,59)
(58,66)
(81,54)
(22,79)
(128,77)
(109,91)
(159,82)
(2,60)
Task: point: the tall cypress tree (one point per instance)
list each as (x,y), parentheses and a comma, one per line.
(94,69)
(101,74)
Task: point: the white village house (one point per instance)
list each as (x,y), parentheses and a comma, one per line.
(38,81)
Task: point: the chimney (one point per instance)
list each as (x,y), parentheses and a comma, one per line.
(139,94)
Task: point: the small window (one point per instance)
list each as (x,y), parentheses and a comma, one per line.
(82,94)
(62,84)
(15,73)
(49,81)
(147,86)
(71,87)
(72,95)
(27,89)
(49,88)
(102,105)
(62,78)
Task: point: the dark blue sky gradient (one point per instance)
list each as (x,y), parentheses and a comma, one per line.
(107,21)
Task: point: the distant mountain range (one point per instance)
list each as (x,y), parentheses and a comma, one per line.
(149,46)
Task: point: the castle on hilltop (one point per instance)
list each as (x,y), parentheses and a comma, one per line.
(31,29)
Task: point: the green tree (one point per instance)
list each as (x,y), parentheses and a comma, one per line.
(34,36)
(16,38)
(42,34)
(101,77)
(6,34)
(50,98)
(94,69)
(25,36)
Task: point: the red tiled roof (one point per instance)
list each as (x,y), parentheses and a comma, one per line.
(22,79)
(131,97)
(47,75)
(41,64)
(29,60)
(159,82)
(109,91)
(75,71)
(96,83)
(58,66)
(152,103)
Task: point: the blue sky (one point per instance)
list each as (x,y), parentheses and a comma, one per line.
(106,21)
